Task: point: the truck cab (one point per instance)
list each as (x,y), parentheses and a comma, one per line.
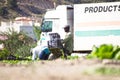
(55,19)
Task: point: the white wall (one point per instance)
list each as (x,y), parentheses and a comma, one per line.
(18,25)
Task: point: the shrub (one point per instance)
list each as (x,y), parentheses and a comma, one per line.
(12,3)
(24,51)
(17,43)
(3,11)
(3,54)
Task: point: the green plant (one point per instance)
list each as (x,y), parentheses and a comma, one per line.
(17,62)
(17,43)
(12,3)
(4,53)
(105,51)
(117,56)
(3,11)
(24,51)
(37,32)
(72,57)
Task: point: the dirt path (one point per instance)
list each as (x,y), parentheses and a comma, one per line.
(54,70)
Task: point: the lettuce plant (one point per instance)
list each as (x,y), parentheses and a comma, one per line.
(105,51)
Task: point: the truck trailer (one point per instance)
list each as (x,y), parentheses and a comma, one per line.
(90,24)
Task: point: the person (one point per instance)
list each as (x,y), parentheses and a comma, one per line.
(41,50)
(67,42)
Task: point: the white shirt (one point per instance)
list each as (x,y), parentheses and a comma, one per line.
(41,45)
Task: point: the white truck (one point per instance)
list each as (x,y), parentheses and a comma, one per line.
(91,24)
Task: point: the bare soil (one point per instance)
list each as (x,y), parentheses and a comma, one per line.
(79,69)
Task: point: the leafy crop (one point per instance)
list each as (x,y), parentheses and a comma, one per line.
(17,62)
(105,51)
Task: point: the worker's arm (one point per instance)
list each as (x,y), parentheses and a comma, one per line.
(67,39)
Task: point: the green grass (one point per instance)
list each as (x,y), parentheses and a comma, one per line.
(108,71)
(17,62)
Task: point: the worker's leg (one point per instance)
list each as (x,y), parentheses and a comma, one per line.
(66,53)
(33,55)
(44,54)
(35,51)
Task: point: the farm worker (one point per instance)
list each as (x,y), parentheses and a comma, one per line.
(68,41)
(41,50)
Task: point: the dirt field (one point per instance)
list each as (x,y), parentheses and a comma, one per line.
(55,70)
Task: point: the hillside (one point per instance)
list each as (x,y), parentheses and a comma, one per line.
(33,7)
(9,9)
(29,8)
